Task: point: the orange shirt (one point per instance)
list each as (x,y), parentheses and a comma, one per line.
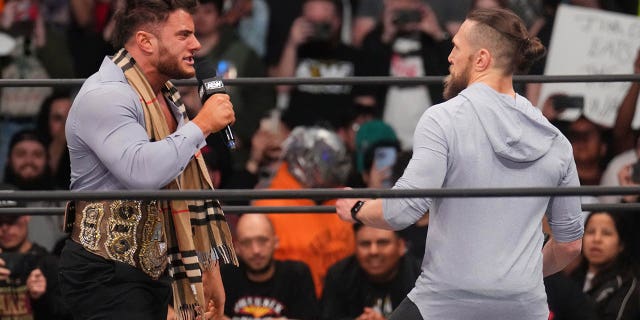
(320,240)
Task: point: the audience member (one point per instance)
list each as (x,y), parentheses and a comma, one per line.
(264,287)
(27,169)
(566,299)
(313,158)
(232,58)
(28,275)
(51,120)
(314,49)
(606,271)
(409,42)
(373,281)
(89,33)
(589,143)
(372,135)
(27,165)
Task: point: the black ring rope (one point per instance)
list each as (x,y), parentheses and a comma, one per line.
(342,81)
(53,211)
(318,194)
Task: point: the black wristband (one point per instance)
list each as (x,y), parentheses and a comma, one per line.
(355,209)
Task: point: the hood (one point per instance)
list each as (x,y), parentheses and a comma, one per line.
(516,129)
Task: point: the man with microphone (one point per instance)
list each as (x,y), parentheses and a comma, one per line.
(127,129)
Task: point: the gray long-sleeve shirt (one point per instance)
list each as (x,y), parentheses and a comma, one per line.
(483,256)
(108,143)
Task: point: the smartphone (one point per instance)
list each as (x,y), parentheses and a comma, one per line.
(403,17)
(384,157)
(563,102)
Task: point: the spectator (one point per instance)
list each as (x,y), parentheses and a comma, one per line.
(589,149)
(566,299)
(372,135)
(28,275)
(313,158)
(606,271)
(27,166)
(264,287)
(373,281)
(409,42)
(314,49)
(224,50)
(51,120)
(27,169)
(90,32)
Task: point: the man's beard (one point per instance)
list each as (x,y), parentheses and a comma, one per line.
(454,84)
(169,66)
(40,182)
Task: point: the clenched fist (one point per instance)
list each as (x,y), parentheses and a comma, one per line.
(216,113)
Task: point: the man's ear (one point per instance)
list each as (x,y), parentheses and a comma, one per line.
(145,41)
(482,60)
(276,241)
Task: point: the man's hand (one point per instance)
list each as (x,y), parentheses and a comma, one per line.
(624,178)
(429,23)
(343,208)
(370,314)
(212,314)
(36,284)
(213,293)
(300,32)
(216,113)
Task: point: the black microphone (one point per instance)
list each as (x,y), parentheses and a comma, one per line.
(207,88)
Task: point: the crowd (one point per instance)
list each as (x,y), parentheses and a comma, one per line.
(303,266)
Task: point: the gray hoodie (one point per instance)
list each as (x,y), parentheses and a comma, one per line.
(483,256)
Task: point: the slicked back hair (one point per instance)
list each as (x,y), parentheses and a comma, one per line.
(138,14)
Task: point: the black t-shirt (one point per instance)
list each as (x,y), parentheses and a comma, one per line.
(318,104)
(289,293)
(347,291)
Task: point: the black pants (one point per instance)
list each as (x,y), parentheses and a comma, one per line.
(98,289)
(407,310)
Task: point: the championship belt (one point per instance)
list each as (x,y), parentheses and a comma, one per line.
(128,231)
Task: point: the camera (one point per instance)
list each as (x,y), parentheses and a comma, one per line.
(563,102)
(403,17)
(321,31)
(20,264)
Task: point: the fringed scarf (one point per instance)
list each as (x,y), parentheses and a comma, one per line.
(197,233)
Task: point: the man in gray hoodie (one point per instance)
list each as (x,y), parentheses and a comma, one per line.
(484,256)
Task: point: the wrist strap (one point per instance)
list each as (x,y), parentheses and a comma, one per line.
(355,209)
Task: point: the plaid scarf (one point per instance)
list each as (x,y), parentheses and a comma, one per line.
(197,233)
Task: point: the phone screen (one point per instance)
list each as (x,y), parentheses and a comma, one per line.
(384,157)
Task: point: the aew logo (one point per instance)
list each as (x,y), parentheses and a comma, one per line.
(213,85)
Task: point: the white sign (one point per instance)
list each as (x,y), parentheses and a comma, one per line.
(588,42)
